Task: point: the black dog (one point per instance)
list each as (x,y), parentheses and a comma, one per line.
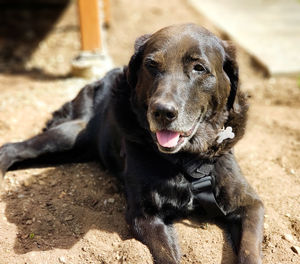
(166,125)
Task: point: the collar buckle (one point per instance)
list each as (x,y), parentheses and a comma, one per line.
(202,186)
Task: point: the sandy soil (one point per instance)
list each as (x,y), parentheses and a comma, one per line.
(75,213)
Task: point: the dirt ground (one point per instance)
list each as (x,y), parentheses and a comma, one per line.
(75,213)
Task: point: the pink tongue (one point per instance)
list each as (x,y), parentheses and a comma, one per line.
(167,139)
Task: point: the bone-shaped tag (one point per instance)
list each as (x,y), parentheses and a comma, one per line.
(225,134)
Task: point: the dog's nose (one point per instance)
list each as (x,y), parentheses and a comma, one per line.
(166,112)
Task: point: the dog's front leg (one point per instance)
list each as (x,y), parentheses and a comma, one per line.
(57,139)
(144,171)
(245,209)
(252,233)
(158,237)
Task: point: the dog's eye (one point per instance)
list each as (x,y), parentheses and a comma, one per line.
(199,68)
(152,64)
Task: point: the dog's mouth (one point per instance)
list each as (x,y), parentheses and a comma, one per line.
(171,141)
(168,139)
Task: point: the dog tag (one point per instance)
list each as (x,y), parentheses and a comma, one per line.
(225,134)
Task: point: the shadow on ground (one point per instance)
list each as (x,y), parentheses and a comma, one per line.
(57,207)
(24,24)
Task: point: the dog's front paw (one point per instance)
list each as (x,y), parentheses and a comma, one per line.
(247,258)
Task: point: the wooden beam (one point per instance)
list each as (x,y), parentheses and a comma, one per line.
(106,10)
(90,25)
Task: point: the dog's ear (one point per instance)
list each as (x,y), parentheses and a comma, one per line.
(231,68)
(136,59)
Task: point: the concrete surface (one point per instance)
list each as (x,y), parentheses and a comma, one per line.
(267,29)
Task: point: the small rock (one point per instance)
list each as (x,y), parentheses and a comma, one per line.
(53,183)
(204,226)
(288,215)
(69,218)
(28,222)
(111,200)
(77,231)
(266,226)
(27,182)
(62,195)
(62,260)
(21,196)
(24,236)
(11,180)
(295,249)
(41,182)
(288,237)
(293,171)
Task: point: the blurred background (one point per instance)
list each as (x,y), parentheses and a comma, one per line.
(54,216)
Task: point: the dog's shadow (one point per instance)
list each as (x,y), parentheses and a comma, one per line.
(56,207)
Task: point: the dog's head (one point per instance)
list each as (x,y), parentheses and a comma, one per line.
(182,76)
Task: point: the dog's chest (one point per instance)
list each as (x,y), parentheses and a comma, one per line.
(174,195)
(182,195)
